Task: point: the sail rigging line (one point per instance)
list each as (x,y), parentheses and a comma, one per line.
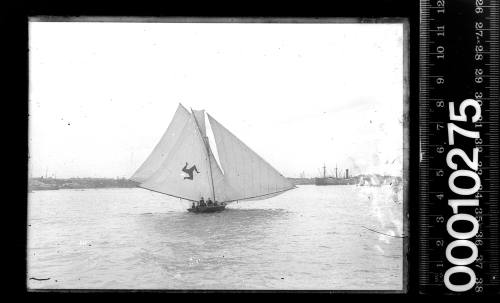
(205,142)
(210,167)
(258,196)
(167,194)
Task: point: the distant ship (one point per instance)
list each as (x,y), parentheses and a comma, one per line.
(182,165)
(330,180)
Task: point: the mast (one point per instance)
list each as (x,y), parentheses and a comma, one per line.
(324,171)
(210,165)
(246,174)
(205,141)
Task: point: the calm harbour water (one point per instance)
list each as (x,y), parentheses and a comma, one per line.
(312,237)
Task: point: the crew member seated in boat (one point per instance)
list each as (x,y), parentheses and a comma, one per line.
(193,206)
(202,202)
(209,202)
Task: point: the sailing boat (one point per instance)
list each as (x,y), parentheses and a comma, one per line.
(183,165)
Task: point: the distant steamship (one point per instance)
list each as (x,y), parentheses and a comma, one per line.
(335,180)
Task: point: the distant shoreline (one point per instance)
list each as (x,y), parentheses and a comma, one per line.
(42,183)
(78,183)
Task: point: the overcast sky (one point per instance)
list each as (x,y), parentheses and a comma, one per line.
(300,95)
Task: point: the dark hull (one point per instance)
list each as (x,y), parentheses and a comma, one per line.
(334,181)
(207,209)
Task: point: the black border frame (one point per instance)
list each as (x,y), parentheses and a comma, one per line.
(16,23)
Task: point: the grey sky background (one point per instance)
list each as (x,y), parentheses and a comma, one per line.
(300,95)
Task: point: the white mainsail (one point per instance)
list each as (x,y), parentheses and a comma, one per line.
(246,173)
(159,153)
(183,165)
(185,172)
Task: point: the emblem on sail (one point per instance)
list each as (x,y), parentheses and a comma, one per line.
(189,171)
(241,175)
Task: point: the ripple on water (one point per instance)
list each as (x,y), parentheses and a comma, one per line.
(308,238)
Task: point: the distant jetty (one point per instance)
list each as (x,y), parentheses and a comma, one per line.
(301,181)
(341,178)
(42,183)
(78,183)
(360,180)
